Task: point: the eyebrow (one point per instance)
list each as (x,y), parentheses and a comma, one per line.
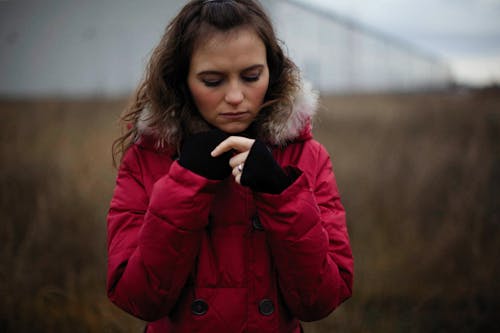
(212,72)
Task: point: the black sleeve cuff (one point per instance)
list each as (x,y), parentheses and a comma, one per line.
(195,155)
(262,173)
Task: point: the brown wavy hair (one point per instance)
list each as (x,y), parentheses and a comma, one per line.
(171,113)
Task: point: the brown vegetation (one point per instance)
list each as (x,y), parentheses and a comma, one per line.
(419,176)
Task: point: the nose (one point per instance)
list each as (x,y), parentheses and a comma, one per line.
(234,94)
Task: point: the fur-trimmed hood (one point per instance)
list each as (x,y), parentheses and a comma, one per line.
(280,132)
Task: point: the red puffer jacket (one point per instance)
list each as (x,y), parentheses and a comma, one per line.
(190,254)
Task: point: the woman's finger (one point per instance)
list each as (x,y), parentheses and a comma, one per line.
(237,163)
(238,159)
(236,172)
(238,178)
(237,143)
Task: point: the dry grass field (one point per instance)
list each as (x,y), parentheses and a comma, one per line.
(419,176)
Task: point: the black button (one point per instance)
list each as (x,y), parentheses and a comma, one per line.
(199,307)
(256,223)
(266,307)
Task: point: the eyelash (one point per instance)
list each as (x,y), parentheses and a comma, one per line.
(215,83)
(211,83)
(251,78)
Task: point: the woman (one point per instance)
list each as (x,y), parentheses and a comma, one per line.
(226,215)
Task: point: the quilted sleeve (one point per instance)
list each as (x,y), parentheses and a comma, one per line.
(308,238)
(153,240)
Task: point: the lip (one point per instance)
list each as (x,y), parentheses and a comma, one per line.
(235,115)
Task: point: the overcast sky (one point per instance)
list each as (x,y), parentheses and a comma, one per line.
(466,33)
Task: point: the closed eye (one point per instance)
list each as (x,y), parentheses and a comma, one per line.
(251,78)
(211,83)
(211,79)
(252,73)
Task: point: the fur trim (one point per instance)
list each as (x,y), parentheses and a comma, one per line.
(305,103)
(303,110)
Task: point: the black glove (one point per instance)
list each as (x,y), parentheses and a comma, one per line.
(262,173)
(195,155)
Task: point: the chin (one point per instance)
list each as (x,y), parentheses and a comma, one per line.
(233,128)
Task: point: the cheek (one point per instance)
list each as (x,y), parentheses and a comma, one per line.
(259,92)
(204,100)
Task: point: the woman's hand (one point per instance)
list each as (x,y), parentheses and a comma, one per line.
(242,145)
(261,171)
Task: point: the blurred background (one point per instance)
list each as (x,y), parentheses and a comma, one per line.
(410,113)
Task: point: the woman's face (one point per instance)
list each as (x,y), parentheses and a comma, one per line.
(228,78)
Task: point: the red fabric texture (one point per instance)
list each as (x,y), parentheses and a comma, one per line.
(175,237)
